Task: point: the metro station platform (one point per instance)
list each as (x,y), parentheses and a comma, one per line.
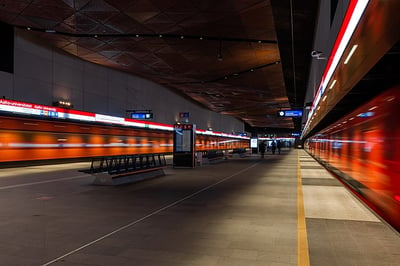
(283,210)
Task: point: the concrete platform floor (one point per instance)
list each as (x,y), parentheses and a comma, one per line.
(242,211)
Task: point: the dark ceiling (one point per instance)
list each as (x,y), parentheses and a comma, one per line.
(244,58)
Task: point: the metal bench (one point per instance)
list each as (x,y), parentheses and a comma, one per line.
(123,169)
(239,152)
(214,156)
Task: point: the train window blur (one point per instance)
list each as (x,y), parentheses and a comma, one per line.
(23,139)
(363,149)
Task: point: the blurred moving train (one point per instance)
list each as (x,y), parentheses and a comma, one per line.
(23,138)
(363,149)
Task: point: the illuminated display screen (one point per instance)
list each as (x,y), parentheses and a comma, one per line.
(290,113)
(367,114)
(142,115)
(253,143)
(183,140)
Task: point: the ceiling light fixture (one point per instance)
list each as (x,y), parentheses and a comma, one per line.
(63,104)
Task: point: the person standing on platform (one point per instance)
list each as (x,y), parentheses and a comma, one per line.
(273,147)
(261,149)
(278,146)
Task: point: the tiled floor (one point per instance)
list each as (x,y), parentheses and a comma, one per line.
(239,212)
(341,230)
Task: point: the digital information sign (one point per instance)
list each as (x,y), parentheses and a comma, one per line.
(142,115)
(253,143)
(183,140)
(290,113)
(184,145)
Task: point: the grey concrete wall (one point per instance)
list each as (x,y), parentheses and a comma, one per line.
(43,75)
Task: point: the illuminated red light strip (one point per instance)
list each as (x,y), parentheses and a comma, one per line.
(35,109)
(345,24)
(76,112)
(356,8)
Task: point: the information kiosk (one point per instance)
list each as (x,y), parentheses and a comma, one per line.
(184,145)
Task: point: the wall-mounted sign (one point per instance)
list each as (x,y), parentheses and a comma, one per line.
(184,115)
(142,115)
(290,113)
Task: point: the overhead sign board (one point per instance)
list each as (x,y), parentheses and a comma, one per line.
(290,113)
(142,115)
(184,115)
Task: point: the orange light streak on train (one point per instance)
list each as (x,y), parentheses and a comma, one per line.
(23,139)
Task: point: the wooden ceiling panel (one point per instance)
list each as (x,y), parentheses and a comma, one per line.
(124,34)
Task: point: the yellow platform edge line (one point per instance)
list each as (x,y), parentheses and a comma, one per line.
(303,258)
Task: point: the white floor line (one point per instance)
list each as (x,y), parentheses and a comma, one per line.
(41,182)
(148,216)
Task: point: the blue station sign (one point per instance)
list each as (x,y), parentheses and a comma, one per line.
(290,113)
(141,115)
